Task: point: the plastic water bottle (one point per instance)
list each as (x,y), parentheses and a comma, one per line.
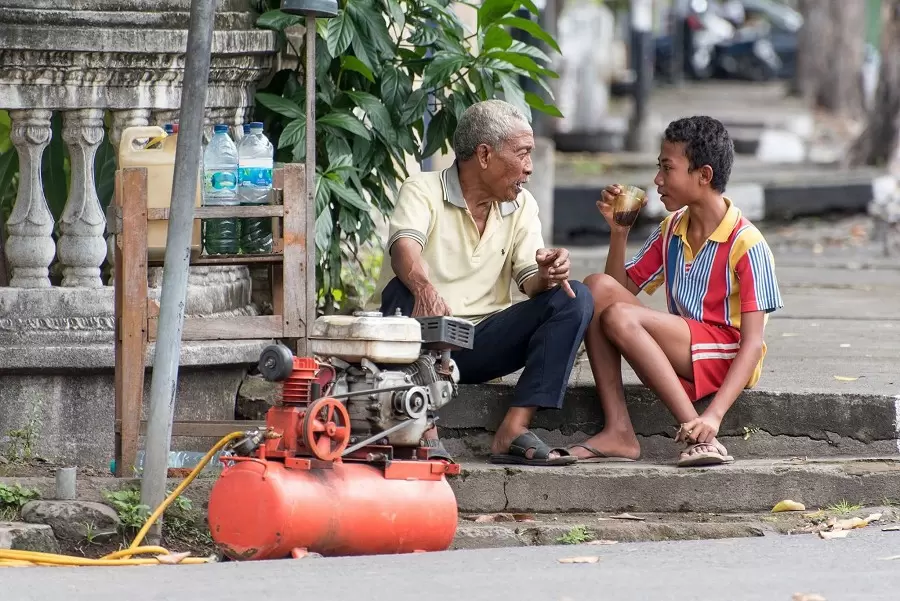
(220,178)
(256,157)
(178,459)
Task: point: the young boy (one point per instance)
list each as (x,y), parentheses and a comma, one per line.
(720,284)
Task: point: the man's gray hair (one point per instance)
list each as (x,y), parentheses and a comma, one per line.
(488,122)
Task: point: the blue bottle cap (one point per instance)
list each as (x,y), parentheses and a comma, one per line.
(221,128)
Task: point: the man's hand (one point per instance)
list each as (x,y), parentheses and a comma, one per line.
(553,268)
(429,303)
(702,429)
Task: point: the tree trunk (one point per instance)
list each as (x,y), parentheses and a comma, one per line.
(878,143)
(830,54)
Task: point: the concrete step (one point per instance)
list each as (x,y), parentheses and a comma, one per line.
(761,424)
(745,486)
(598,530)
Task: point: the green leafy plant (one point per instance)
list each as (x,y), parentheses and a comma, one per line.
(576,536)
(392,79)
(180,521)
(13,498)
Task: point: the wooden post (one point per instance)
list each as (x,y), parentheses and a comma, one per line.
(299,268)
(129,224)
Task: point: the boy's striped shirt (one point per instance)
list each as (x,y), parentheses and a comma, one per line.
(733,272)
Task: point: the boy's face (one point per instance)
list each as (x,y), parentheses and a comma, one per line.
(676,184)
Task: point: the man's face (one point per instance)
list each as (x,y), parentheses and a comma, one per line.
(677,186)
(507,168)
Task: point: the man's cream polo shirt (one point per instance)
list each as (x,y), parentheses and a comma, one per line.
(472,273)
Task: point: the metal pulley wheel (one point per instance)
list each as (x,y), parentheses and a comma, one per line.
(326,429)
(415,402)
(276,363)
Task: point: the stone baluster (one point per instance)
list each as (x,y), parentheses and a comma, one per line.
(125,119)
(81,248)
(30,248)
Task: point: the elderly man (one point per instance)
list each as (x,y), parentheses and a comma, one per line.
(458,239)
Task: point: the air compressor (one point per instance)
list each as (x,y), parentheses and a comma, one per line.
(340,467)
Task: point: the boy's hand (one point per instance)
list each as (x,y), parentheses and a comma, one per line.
(606,204)
(702,429)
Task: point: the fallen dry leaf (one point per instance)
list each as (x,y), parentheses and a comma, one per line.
(172,558)
(627,516)
(814,514)
(523,517)
(588,559)
(807,597)
(602,542)
(846,378)
(891,529)
(833,534)
(788,505)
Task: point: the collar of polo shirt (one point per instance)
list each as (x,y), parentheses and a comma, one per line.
(453,191)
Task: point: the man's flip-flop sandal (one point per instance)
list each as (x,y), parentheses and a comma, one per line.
(704,454)
(436,450)
(598,456)
(518,450)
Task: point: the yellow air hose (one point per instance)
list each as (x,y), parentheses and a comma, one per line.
(125,557)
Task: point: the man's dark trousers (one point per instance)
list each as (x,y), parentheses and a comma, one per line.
(541,334)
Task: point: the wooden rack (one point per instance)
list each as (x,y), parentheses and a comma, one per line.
(292,276)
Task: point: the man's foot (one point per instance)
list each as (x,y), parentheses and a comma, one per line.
(607,446)
(704,454)
(528,449)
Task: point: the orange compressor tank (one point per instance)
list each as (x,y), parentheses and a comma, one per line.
(260,509)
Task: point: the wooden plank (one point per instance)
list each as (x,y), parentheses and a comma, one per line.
(156,214)
(130,283)
(298,270)
(213,428)
(225,328)
(261,259)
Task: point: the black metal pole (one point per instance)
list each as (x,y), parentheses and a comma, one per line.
(641,28)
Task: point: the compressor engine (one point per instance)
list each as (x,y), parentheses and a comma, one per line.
(340,468)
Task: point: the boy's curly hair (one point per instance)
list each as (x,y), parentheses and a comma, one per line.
(706,142)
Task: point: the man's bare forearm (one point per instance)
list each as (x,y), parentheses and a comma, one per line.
(535,285)
(615,258)
(408,265)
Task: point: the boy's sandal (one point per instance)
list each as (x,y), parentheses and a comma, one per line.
(704,454)
(518,453)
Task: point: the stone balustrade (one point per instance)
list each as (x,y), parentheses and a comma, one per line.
(103,66)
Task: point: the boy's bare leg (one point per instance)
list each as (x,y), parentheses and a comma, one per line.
(617,439)
(657,346)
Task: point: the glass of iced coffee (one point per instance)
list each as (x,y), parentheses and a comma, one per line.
(627,205)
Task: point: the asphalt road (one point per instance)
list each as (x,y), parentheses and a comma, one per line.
(772,568)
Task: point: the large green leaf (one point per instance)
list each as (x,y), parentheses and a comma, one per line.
(105,172)
(351,63)
(294,134)
(277,20)
(370,20)
(492,10)
(531,28)
(513,93)
(346,121)
(348,195)
(443,65)
(496,38)
(375,110)
(395,87)
(340,33)
(439,129)
(337,147)
(538,103)
(282,106)
(414,108)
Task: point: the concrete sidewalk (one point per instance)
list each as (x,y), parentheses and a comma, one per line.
(830,385)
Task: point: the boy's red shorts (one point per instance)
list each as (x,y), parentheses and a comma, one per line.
(713,348)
